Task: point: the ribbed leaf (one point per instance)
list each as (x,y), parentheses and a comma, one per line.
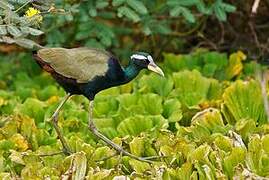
(129,13)
(137,146)
(77,169)
(182,2)
(8,40)
(228,7)
(156,84)
(243,100)
(209,118)
(3,30)
(26,43)
(14,31)
(117,2)
(138,6)
(201,7)
(6,5)
(35,32)
(139,166)
(230,162)
(172,110)
(175,11)
(19,1)
(34,109)
(146,102)
(188,15)
(134,125)
(178,10)
(101,4)
(220,13)
(190,87)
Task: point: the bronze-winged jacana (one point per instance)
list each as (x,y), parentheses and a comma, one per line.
(87,71)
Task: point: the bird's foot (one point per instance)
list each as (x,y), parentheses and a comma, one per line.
(121,151)
(67,151)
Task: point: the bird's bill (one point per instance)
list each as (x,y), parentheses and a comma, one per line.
(153,67)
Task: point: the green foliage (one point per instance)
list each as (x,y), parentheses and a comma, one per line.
(15,26)
(103,24)
(239,102)
(203,124)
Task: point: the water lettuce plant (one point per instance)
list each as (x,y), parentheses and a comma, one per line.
(204,120)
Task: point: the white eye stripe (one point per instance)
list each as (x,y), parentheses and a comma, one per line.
(138,56)
(150,58)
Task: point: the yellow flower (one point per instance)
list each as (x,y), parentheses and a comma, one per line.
(34,13)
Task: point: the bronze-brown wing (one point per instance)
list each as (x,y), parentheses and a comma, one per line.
(81,64)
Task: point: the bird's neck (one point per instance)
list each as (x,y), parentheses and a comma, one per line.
(131,71)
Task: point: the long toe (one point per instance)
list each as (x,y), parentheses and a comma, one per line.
(67,151)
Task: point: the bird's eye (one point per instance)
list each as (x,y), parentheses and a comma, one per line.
(147,61)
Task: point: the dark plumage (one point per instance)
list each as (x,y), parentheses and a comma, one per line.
(88,71)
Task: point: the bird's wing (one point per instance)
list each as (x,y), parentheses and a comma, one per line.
(81,64)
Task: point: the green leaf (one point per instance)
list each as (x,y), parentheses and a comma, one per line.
(34,109)
(228,7)
(16,157)
(99,174)
(201,7)
(137,146)
(77,167)
(224,143)
(35,32)
(188,15)
(48,92)
(146,102)
(14,31)
(245,127)
(172,110)
(243,100)
(26,43)
(181,2)
(92,12)
(3,30)
(126,100)
(265,143)
(158,121)
(200,154)
(215,90)
(134,125)
(129,13)
(117,2)
(209,118)
(176,11)
(138,6)
(190,87)
(220,13)
(104,106)
(6,5)
(138,166)
(101,4)
(230,162)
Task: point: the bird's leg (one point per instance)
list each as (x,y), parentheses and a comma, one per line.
(120,150)
(54,118)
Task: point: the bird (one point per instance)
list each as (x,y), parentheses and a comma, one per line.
(87,71)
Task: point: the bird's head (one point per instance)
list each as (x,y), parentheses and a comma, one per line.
(144,60)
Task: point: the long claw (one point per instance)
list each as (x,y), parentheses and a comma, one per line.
(67,151)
